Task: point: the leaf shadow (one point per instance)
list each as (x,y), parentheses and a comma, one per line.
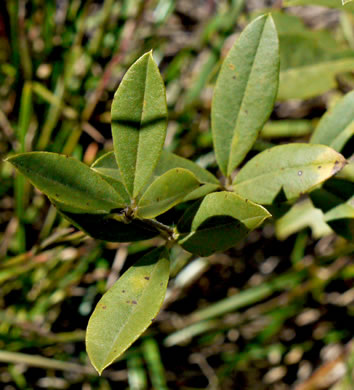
(280,204)
(100,227)
(138,125)
(216,233)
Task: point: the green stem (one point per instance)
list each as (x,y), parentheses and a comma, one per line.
(165,230)
(128,215)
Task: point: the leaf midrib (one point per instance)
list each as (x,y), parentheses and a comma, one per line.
(77,192)
(140,126)
(134,308)
(243,96)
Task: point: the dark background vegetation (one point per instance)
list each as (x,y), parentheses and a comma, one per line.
(288,318)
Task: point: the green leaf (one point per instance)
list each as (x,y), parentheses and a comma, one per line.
(304,82)
(200,192)
(288,24)
(152,358)
(166,191)
(245,92)
(107,167)
(341,219)
(127,309)
(324,199)
(106,226)
(218,222)
(332,193)
(340,187)
(342,5)
(170,160)
(67,180)
(293,168)
(139,121)
(299,217)
(287,128)
(309,60)
(345,210)
(336,127)
(300,45)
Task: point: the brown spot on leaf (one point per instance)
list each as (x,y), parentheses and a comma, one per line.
(128,301)
(104,307)
(319,167)
(338,166)
(147,277)
(232,66)
(134,302)
(123,291)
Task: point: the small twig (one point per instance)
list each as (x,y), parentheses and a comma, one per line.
(9,232)
(166,231)
(93,133)
(6,127)
(201,361)
(328,373)
(128,214)
(119,259)
(130,29)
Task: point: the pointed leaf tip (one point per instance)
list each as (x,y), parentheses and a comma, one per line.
(67,180)
(166,191)
(218,222)
(294,168)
